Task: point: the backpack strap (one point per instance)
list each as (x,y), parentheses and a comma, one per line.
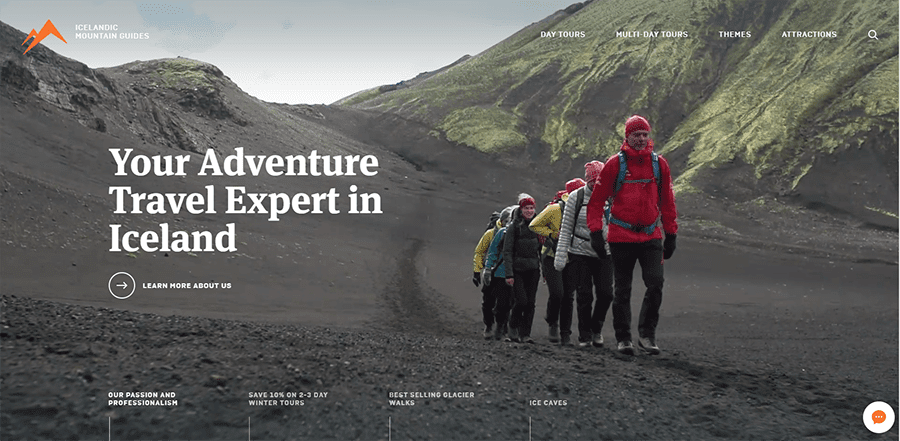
(623,169)
(620,178)
(579,200)
(500,253)
(512,230)
(655,158)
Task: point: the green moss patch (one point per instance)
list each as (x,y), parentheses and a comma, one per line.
(489,129)
(183,73)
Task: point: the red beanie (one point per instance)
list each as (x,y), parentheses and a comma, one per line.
(525,199)
(559,195)
(636,123)
(592,172)
(574,184)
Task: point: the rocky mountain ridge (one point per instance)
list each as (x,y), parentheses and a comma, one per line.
(812,121)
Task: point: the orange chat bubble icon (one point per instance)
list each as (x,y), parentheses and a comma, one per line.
(878,416)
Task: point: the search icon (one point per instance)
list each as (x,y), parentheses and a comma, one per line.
(873,34)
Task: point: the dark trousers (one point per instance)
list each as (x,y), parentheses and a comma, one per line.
(650,256)
(565,305)
(554,281)
(524,293)
(495,302)
(589,275)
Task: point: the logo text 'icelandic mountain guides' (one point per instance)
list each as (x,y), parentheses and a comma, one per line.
(38,36)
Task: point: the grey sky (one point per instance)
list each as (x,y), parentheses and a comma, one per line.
(294,52)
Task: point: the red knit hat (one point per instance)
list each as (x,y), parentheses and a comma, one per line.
(635,123)
(525,199)
(574,184)
(559,195)
(592,172)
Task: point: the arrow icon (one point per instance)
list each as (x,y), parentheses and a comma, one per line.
(123,285)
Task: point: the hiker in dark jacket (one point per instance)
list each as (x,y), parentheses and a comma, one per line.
(644,199)
(522,260)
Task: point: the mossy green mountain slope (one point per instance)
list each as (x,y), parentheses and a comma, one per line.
(787,112)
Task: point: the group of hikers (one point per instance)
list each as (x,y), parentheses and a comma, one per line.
(584,242)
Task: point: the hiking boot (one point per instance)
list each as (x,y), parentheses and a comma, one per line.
(498,332)
(597,341)
(648,345)
(528,340)
(625,347)
(513,336)
(488,332)
(554,333)
(565,340)
(582,343)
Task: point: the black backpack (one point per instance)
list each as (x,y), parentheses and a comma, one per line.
(495,216)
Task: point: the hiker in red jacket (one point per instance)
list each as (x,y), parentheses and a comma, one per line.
(641,196)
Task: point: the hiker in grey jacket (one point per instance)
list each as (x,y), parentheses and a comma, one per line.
(580,264)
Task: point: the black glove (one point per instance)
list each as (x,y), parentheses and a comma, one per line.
(476,279)
(598,243)
(669,246)
(550,243)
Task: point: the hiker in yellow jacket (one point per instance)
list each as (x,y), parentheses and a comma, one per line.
(488,300)
(559,304)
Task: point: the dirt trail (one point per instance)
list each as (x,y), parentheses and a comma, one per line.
(414,307)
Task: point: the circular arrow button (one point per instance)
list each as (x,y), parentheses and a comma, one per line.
(121,285)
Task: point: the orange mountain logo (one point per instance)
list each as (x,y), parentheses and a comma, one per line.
(38,36)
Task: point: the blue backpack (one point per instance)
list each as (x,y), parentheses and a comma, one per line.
(620,179)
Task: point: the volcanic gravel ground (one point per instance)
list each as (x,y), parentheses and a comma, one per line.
(61,362)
